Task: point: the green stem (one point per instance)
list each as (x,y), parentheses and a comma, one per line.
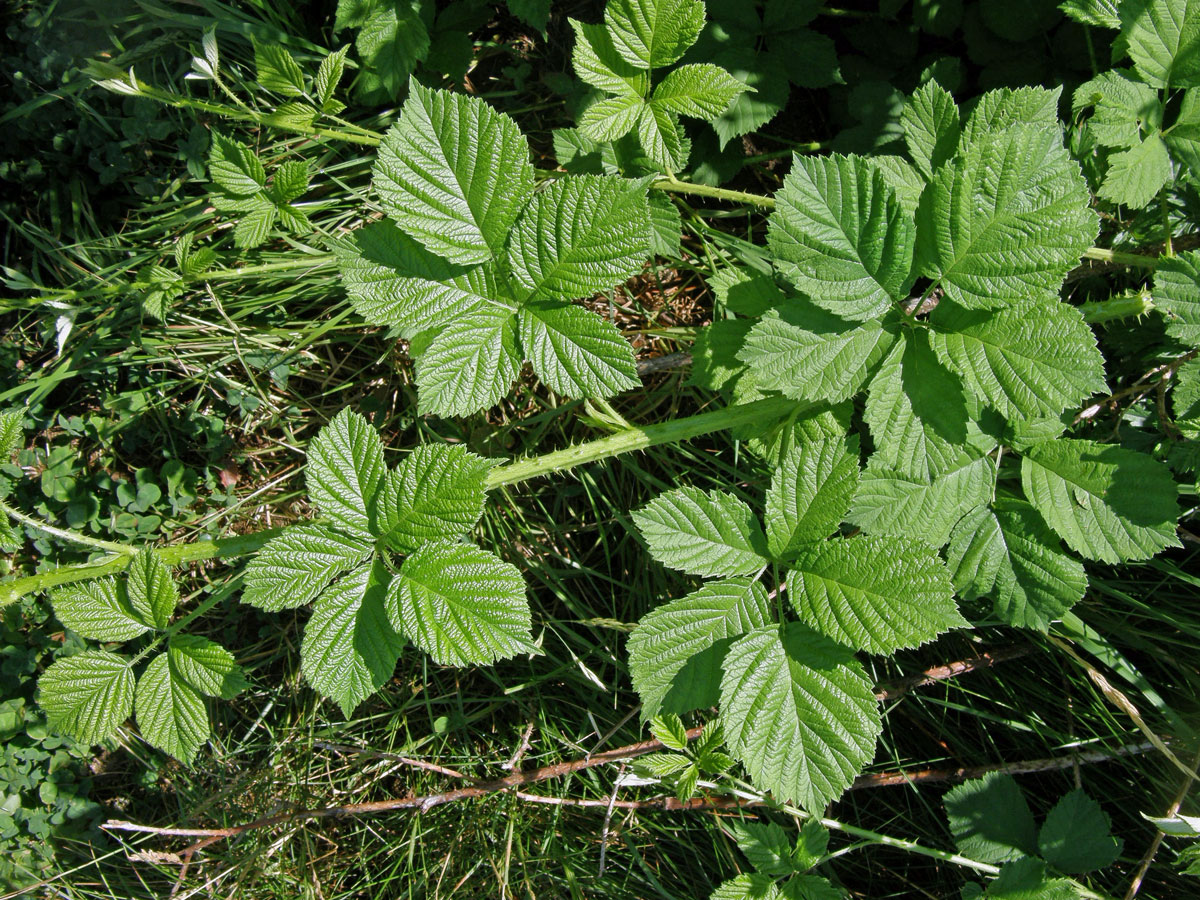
(1120,258)
(515,472)
(674,185)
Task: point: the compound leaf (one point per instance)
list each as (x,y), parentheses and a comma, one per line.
(700,90)
(675,649)
(1106,502)
(11,434)
(470,364)
(87,695)
(877,594)
(713,534)
(345,469)
(574,351)
(581,235)
(810,493)
(1029,359)
(999,110)
(329,73)
(749,886)
(391,40)
(1009,217)
(170,712)
(798,710)
(650,34)
(100,610)
(460,604)
(454,174)
(931,127)
(840,235)
(295,567)
(1009,554)
(152,591)
(350,649)
(662,138)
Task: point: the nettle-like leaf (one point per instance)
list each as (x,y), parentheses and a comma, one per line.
(170,712)
(1077,835)
(99,610)
(391,39)
(990,819)
(477,270)
(618,57)
(1177,294)
(459,603)
(241,186)
(713,534)
(87,695)
(931,127)
(1163,40)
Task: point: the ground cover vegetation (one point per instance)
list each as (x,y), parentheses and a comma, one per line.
(643,448)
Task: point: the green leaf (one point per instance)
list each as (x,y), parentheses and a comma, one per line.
(454,174)
(99,610)
(1009,554)
(1100,13)
(12,436)
(170,712)
(277,70)
(752,886)
(290,181)
(1122,107)
(765,844)
(650,34)
(1028,359)
(1026,879)
(345,469)
(88,695)
(1008,218)
(610,118)
(766,79)
(810,887)
(997,111)
(662,138)
(904,179)
(675,649)
(295,567)
(840,235)
(393,280)
(1076,836)
(874,593)
(889,502)
(1106,502)
(713,534)
(1163,39)
(715,363)
(461,605)
(255,226)
(669,731)
(700,90)
(788,353)
(661,765)
(810,493)
(798,710)
(152,591)
(391,42)
(328,75)
(811,845)
(745,291)
(437,492)
(990,819)
(916,411)
(597,63)
(350,649)
(470,364)
(206,666)
(665,226)
(234,168)
(1177,294)
(1135,176)
(575,352)
(581,235)
(534,13)
(1185,398)
(931,127)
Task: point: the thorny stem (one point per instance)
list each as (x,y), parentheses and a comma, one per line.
(625,441)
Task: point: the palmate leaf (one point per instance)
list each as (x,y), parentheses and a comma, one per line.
(1177,293)
(675,651)
(170,712)
(840,235)
(877,594)
(454,174)
(931,127)
(1106,502)
(1028,359)
(295,567)
(580,236)
(890,503)
(152,591)
(809,495)
(436,493)
(650,34)
(710,534)
(1007,218)
(799,712)
(460,604)
(700,90)
(99,610)
(345,469)
(87,695)
(1163,39)
(350,649)
(470,364)
(574,351)
(393,280)
(812,355)
(1007,552)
